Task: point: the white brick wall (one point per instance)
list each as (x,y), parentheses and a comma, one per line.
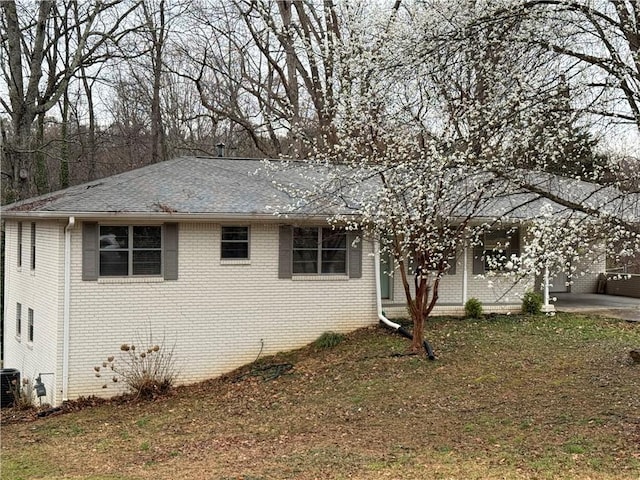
(40,290)
(585,280)
(216,314)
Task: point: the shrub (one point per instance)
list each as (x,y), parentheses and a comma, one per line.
(329,340)
(147,372)
(473,308)
(532,303)
(23,398)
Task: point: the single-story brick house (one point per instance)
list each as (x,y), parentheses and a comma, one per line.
(190,250)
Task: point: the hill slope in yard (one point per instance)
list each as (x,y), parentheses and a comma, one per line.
(510,397)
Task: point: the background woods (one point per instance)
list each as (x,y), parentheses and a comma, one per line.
(94,88)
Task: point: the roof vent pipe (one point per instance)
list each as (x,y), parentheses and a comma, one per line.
(220,147)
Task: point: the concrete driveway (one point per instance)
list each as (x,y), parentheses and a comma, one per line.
(625,308)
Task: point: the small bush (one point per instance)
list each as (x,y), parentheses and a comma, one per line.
(329,340)
(23,398)
(147,372)
(532,303)
(473,308)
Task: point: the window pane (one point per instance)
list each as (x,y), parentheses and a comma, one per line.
(333,239)
(305,237)
(18,319)
(147,262)
(305,267)
(114,237)
(334,261)
(495,239)
(235,233)
(147,237)
(114,263)
(305,261)
(33,246)
(19,244)
(235,250)
(30,325)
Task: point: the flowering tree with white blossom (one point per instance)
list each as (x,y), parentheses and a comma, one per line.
(453,135)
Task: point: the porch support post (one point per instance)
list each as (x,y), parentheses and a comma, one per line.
(465,291)
(546,306)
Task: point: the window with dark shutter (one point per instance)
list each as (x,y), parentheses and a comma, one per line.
(129,250)
(497,248)
(319,251)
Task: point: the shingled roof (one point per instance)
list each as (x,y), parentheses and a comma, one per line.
(186,185)
(219,188)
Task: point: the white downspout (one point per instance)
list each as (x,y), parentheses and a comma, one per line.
(66,307)
(376,260)
(396,326)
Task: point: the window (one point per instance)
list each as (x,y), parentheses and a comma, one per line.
(435,265)
(30,325)
(18,319)
(130,250)
(33,246)
(234,243)
(19,244)
(496,250)
(319,251)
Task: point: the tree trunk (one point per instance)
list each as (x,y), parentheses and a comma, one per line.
(41,176)
(64,149)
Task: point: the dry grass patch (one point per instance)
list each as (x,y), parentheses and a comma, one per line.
(510,397)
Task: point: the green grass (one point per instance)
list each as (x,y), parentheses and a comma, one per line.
(512,397)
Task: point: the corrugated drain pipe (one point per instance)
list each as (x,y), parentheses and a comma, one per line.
(396,326)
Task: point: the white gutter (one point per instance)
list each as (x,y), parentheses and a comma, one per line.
(66,307)
(381,317)
(166,217)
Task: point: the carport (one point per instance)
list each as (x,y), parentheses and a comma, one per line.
(625,308)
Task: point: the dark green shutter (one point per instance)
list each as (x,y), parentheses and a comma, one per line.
(514,242)
(170,251)
(90,251)
(355,254)
(452,265)
(285,253)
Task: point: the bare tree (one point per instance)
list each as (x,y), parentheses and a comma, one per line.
(600,41)
(35,86)
(268,68)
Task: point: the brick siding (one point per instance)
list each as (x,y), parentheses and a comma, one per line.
(41,290)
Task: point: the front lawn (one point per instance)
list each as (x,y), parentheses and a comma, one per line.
(509,397)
